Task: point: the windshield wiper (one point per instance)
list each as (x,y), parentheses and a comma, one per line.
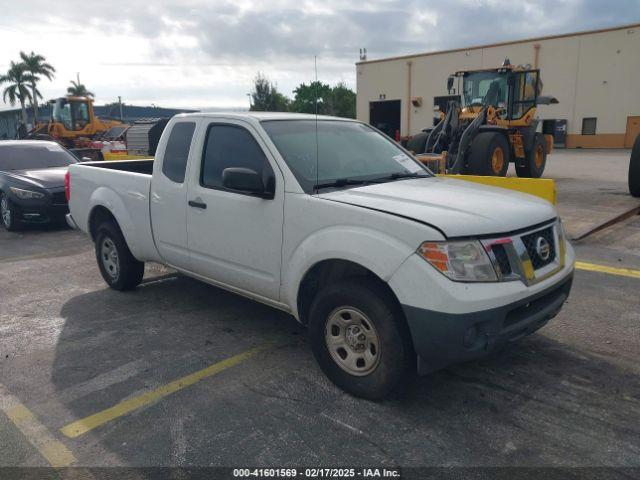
(339,182)
(398,176)
(343,182)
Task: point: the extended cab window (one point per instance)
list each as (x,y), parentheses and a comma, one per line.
(176,153)
(230,146)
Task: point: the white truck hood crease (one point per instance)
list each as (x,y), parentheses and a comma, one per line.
(458,208)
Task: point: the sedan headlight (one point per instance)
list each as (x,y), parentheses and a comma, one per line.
(462,261)
(25,194)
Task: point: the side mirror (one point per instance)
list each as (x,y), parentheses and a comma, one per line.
(245,180)
(86,159)
(450,83)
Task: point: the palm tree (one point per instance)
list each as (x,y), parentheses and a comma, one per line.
(17,90)
(77,89)
(35,66)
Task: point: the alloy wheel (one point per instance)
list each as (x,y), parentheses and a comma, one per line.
(5,211)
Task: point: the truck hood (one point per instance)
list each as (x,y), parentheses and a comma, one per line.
(42,177)
(458,208)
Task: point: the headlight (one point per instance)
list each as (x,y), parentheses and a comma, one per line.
(464,261)
(25,194)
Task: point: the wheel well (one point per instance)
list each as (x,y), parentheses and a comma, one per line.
(329,271)
(98,216)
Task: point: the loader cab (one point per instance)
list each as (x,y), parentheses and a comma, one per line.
(74,113)
(513,91)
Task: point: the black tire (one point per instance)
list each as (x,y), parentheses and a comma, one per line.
(395,355)
(535,159)
(9,214)
(417,143)
(634,169)
(489,155)
(129,271)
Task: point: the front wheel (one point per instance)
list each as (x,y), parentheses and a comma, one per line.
(9,213)
(119,268)
(489,155)
(360,339)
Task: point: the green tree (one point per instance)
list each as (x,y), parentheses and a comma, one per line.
(37,67)
(339,101)
(77,89)
(306,96)
(18,88)
(266,98)
(343,101)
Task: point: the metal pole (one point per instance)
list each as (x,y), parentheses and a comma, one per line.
(120,104)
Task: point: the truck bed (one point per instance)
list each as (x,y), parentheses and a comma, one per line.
(136,166)
(124,187)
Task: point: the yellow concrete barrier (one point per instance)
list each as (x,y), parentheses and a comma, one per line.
(540,187)
(123,156)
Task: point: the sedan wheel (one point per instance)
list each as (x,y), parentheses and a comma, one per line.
(8,214)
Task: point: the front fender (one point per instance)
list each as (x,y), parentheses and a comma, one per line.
(380,253)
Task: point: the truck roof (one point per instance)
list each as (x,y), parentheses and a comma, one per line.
(17,143)
(259,116)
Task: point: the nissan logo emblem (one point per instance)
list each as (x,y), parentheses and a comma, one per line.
(543,248)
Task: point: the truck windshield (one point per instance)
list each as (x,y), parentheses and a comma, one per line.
(484,88)
(347,153)
(31,156)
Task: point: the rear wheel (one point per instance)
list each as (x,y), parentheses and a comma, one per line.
(9,213)
(634,169)
(535,159)
(119,268)
(489,155)
(360,339)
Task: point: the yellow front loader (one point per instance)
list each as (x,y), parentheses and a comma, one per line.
(491,125)
(73,122)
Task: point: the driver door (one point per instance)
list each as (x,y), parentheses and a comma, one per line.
(235,237)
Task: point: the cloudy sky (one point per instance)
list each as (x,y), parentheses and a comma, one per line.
(205,53)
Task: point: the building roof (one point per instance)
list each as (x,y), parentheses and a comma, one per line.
(500,44)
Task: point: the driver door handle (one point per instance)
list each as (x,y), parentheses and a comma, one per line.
(194,204)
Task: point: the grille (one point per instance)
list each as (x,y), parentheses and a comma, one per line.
(531,244)
(502,259)
(58,198)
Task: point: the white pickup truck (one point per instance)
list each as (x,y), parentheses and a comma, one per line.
(389,266)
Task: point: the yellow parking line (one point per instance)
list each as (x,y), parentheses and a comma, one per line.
(37,434)
(86,424)
(592,267)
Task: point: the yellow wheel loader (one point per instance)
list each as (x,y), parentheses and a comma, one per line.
(73,121)
(492,124)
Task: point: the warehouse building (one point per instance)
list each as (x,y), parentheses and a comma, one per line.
(594,75)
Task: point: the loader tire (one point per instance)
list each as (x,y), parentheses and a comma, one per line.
(535,159)
(417,143)
(489,155)
(634,169)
